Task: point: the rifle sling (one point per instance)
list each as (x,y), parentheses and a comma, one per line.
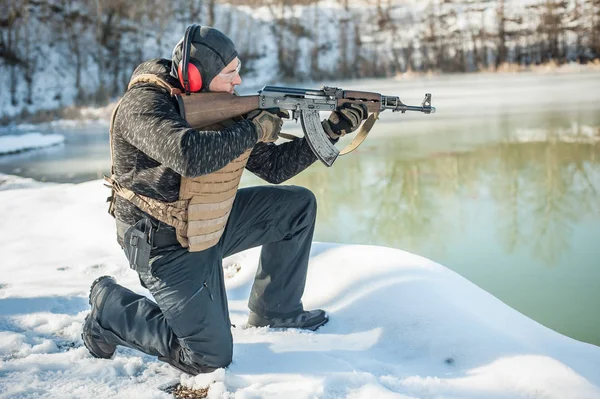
(361,135)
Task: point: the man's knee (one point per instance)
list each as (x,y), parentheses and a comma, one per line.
(224,355)
(214,353)
(305,198)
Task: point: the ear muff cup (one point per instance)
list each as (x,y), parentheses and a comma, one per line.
(194,76)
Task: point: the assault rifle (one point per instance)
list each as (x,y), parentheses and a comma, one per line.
(203,109)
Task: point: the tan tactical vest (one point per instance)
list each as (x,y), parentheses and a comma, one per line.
(201,212)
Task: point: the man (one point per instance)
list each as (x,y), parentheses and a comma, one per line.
(160,163)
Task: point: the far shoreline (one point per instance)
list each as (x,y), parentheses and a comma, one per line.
(103,112)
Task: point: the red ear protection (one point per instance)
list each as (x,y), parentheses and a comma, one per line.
(188,71)
(194,76)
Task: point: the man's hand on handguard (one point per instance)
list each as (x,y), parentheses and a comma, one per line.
(345,119)
(268,124)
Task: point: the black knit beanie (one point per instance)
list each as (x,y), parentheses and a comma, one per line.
(210,49)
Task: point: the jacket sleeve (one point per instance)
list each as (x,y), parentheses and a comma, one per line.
(148,119)
(278,163)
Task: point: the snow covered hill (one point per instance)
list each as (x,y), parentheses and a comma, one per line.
(401,326)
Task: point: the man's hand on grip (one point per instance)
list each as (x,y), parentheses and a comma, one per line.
(268,124)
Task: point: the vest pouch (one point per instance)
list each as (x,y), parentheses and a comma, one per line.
(138,240)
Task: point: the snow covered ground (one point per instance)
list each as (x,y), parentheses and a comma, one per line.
(401,326)
(12,144)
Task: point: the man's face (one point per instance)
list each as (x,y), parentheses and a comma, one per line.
(228,78)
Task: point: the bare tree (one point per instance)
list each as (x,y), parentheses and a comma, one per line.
(595,28)
(501,47)
(345,35)
(431,53)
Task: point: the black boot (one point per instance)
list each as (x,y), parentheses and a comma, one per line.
(93,334)
(307,320)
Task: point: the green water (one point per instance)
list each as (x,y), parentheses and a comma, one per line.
(519,219)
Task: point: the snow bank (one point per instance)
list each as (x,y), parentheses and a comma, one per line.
(10,182)
(401,326)
(11,144)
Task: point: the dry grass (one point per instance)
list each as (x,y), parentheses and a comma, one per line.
(508,68)
(549,67)
(180,392)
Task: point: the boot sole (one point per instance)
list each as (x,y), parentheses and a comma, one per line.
(96,281)
(312,327)
(93,349)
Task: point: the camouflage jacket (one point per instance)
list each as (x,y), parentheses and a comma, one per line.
(153,146)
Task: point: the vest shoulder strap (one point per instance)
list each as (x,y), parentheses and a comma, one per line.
(155,79)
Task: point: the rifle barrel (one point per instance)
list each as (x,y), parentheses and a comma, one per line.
(403,108)
(394,103)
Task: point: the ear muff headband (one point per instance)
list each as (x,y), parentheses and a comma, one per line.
(189,72)
(183,69)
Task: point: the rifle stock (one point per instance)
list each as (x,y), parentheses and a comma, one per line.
(204,109)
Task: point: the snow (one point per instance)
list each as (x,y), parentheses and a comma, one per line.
(10,182)
(401,325)
(11,144)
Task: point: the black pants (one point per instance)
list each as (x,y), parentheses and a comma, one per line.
(191,309)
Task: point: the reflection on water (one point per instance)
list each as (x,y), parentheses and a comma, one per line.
(538,191)
(542,191)
(517,215)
